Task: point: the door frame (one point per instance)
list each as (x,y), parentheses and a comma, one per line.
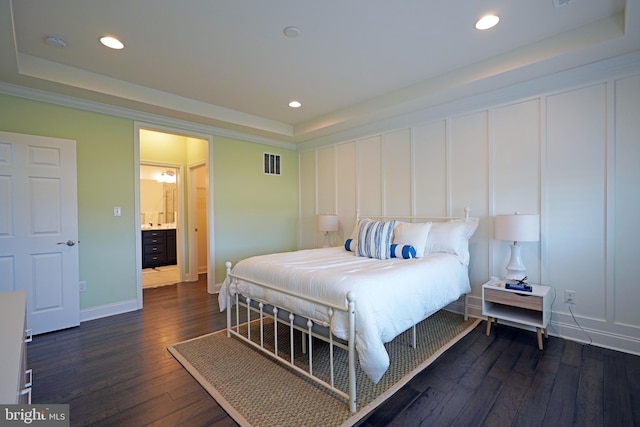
(211,285)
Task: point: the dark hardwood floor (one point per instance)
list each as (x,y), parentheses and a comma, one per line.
(117,371)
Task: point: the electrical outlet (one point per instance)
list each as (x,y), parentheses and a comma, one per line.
(83,286)
(570,297)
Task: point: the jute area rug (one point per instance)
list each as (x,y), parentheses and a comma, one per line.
(255,390)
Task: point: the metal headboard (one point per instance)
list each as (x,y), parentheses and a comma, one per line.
(467,211)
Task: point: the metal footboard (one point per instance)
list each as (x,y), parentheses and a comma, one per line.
(309,328)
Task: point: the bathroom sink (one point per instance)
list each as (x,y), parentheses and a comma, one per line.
(158,226)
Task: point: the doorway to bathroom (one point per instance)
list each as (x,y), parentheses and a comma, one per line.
(159,213)
(173,199)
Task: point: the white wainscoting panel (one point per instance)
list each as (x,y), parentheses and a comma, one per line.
(326,176)
(370,176)
(572,156)
(346,189)
(430,169)
(627,203)
(575,195)
(469,164)
(397,173)
(470,185)
(515,179)
(308,235)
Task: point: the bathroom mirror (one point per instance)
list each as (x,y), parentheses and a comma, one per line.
(169,197)
(158,196)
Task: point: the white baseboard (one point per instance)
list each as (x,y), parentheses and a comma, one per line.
(474,307)
(218,287)
(563,326)
(108,310)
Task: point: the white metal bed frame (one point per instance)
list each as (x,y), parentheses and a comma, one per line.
(261,307)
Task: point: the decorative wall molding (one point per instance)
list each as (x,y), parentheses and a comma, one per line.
(570,154)
(96,107)
(618,66)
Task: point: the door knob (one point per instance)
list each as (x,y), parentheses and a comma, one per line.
(68,243)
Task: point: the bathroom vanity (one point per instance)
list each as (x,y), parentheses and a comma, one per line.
(159,247)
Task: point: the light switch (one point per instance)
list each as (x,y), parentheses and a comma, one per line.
(117,211)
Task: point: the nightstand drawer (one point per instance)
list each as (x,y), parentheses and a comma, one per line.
(530,302)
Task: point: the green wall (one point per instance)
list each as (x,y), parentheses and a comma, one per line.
(254,213)
(105,176)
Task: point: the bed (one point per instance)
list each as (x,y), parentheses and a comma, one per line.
(389,276)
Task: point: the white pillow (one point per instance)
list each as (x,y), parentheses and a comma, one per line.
(412,234)
(452,237)
(374,239)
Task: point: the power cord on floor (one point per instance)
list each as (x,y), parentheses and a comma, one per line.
(553,301)
(581,328)
(555,295)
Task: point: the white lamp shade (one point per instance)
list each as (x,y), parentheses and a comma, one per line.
(328,222)
(517,227)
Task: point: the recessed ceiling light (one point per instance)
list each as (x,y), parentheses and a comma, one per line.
(111,42)
(486,22)
(295,104)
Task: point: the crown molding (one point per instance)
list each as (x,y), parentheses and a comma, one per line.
(135,115)
(612,68)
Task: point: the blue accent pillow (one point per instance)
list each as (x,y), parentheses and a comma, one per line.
(350,245)
(374,239)
(403,251)
(396,251)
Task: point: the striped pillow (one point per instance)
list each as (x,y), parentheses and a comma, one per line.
(374,239)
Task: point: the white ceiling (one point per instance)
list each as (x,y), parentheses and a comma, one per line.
(228,64)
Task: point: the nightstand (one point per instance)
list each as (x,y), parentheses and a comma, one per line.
(527,308)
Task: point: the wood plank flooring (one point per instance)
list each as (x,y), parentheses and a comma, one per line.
(117,371)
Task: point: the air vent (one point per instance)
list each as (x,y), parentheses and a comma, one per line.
(271,164)
(560,3)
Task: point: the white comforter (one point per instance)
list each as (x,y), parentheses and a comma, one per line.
(390,295)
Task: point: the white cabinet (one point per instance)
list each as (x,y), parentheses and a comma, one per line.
(15,379)
(527,308)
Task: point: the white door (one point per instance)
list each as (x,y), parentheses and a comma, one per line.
(39,228)
(198,229)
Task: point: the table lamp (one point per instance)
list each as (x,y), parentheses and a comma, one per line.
(517,228)
(328,224)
